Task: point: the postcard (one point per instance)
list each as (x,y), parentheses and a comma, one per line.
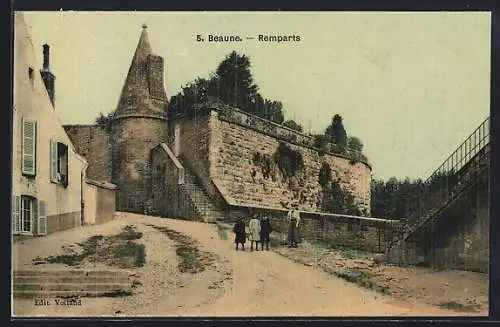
(250,164)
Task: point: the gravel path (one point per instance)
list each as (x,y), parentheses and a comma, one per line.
(238,284)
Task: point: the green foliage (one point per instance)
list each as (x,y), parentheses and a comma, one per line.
(132,250)
(265,163)
(189,259)
(289,161)
(293,125)
(355,143)
(325,175)
(320,140)
(360,277)
(114,250)
(336,133)
(395,199)
(337,200)
(453,305)
(232,84)
(129,233)
(104,121)
(222,232)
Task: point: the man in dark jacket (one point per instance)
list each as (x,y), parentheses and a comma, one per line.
(265,230)
(240,235)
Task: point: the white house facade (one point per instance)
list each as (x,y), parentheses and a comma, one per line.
(48,176)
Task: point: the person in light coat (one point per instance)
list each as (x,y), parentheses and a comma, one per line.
(293,225)
(254,231)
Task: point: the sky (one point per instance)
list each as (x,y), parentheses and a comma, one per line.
(411,86)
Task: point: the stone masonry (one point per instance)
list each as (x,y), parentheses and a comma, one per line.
(219,146)
(222,152)
(93,142)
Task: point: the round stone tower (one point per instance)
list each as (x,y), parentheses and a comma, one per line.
(138,126)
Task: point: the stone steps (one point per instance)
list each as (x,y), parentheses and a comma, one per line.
(72,272)
(58,287)
(62,294)
(69,283)
(65,279)
(204,205)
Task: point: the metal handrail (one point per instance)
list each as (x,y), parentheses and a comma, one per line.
(449,178)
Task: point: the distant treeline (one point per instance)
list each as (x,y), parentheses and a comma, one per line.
(396,199)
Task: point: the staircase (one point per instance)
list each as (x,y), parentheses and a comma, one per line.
(454,178)
(69,283)
(204,205)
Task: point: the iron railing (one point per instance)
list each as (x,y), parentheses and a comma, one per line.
(453,175)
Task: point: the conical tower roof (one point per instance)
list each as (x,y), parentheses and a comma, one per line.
(135,98)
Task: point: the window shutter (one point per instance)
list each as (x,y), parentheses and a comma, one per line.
(64,163)
(29,147)
(16,213)
(53,161)
(42,217)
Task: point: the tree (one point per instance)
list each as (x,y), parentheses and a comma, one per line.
(395,199)
(355,143)
(195,92)
(338,200)
(105,120)
(232,83)
(336,133)
(274,111)
(293,125)
(236,85)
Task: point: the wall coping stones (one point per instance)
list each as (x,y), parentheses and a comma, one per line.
(176,162)
(237,116)
(102,184)
(320,214)
(135,115)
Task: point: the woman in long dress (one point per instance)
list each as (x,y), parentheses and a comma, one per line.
(254,229)
(239,232)
(265,230)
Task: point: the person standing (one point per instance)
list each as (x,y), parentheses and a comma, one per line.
(265,230)
(239,232)
(254,229)
(293,225)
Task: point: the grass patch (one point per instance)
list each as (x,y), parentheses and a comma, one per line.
(222,232)
(119,293)
(129,233)
(348,253)
(452,305)
(116,250)
(132,250)
(359,277)
(191,259)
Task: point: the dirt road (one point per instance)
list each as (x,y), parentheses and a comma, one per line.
(237,284)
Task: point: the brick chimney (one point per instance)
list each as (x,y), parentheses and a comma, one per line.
(47,76)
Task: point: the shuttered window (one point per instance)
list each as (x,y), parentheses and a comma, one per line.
(27,213)
(53,161)
(29,147)
(16,213)
(42,217)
